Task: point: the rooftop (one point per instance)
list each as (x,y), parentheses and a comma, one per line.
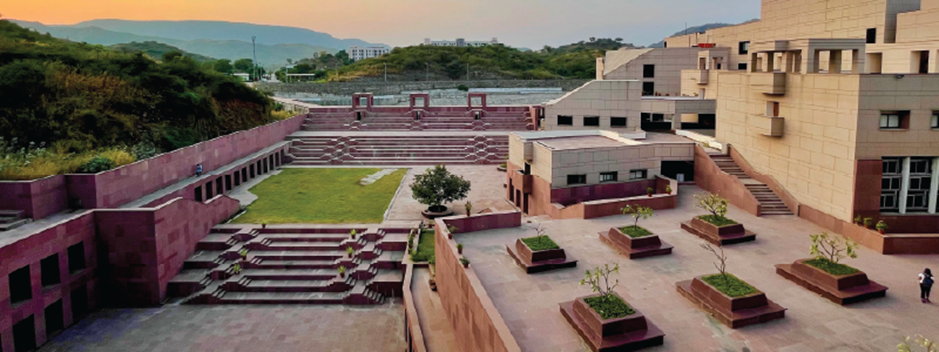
(581,142)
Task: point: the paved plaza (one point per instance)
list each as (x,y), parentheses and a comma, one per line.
(529,303)
(487,191)
(183,328)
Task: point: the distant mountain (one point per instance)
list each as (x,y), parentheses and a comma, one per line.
(218,30)
(268,55)
(696,29)
(156,50)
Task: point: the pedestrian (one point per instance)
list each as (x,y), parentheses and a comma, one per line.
(198,170)
(925,285)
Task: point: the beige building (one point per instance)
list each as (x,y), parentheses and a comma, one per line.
(608,105)
(837,102)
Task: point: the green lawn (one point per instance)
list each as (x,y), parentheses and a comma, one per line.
(425,247)
(321,196)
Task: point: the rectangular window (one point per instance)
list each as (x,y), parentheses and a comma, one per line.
(934,122)
(890,184)
(76,257)
(621,121)
(55,319)
(893,120)
(565,120)
(608,176)
(637,174)
(742,66)
(576,179)
(21,288)
(591,121)
(648,71)
(743,48)
(658,117)
(871,35)
(648,88)
(920,180)
(49,268)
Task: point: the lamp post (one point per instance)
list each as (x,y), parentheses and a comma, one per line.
(386,72)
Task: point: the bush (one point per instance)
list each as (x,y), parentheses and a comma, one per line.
(730,285)
(540,243)
(118,157)
(463,87)
(635,231)
(96,165)
(609,306)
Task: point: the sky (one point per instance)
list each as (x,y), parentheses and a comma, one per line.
(518,23)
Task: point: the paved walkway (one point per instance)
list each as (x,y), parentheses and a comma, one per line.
(486,191)
(438,333)
(529,303)
(237,328)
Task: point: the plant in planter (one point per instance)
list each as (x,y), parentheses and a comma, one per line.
(918,340)
(459,248)
(714,204)
(832,249)
(636,212)
(243,253)
(469,208)
(868,222)
(716,227)
(465,262)
(342,271)
(352,233)
(650,191)
(825,276)
(350,251)
(450,230)
(857,220)
(263,224)
(236,269)
(668,189)
(607,304)
(881,226)
(437,186)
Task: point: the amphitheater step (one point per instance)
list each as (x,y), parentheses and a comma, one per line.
(283,298)
(11,219)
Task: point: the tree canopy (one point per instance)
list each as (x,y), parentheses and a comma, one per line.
(437,186)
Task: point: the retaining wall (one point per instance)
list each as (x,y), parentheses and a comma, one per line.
(37,198)
(389,88)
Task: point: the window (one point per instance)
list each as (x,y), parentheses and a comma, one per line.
(591,121)
(637,174)
(648,71)
(658,117)
(608,176)
(576,179)
(648,88)
(49,268)
(743,48)
(871,35)
(742,66)
(565,120)
(621,121)
(920,179)
(934,123)
(55,321)
(893,119)
(21,289)
(76,257)
(890,185)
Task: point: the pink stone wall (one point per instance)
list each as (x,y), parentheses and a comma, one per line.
(146,247)
(574,195)
(709,177)
(484,222)
(30,251)
(412,323)
(38,198)
(125,184)
(476,322)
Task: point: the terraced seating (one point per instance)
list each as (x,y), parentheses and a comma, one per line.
(10,219)
(430,120)
(400,149)
(296,266)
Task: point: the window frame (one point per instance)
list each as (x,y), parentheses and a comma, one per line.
(934,120)
(638,174)
(743,47)
(900,124)
(870,36)
(613,176)
(579,179)
(617,125)
(648,93)
(594,121)
(570,120)
(648,71)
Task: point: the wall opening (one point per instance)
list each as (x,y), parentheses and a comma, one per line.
(24,335)
(875,62)
(252,170)
(228,182)
(208,190)
(55,319)
(244,174)
(20,286)
(219,188)
(49,270)
(79,298)
(924,61)
(648,88)
(871,35)
(198,193)
(476,102)
(76,257)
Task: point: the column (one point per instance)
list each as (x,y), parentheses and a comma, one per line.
(753,63)
(676,122)
(857,62)
(834,61)
(904,185)
(934,186)
(770,61)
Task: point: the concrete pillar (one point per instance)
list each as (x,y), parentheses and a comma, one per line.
(857,62)
(753,63)
(811,62)
(834,61)
(770,62)
(676,122)
(934,186)
(904,185)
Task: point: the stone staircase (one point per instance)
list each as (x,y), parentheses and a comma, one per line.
(493,121)
(399,150)
(770,204)
(293,266)
(10,219)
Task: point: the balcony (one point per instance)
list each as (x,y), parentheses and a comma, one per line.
(702,76)
(768,125)
(773,83)
(522,181)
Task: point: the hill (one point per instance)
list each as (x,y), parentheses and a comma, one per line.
(268,55)
(696,29)
(156,50)
(218,30)
(71,107)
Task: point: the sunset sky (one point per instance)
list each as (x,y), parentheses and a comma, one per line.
(520,23)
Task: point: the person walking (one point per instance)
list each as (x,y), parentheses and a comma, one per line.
(198,170)
(925,285)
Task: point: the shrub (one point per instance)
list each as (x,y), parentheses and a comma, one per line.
(464,261)
(118,157)
(463,87)
(868,222)
(711,203)
(342,270)
(437,186)
(425,247)
(540,243)
(832,248)
(609,307)
(96,165)
(881,226)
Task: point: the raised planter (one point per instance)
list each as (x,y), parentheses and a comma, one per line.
(735,312)
(501,168)
(635,248)
(723,235)
(538,261)
(427,213)
(628,333)
(843,290)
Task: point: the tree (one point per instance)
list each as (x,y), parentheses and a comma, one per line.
(244,65)
(438,186)
(721,258)
(918,340)
(593,39)
(223,66)
(832,248)
(711,203)
(599,279)
(171,55)
(289,61)
(618,40)
(637,212)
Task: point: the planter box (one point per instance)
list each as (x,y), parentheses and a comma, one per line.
(635,248)
(723,235)
(538,261)
(843,290)
(628,333)
(735,312)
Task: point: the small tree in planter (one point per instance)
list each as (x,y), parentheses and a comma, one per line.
(881,226)
(465,262)
(342,271)
(668,189)
(236,268)
(832,248)
(438,186)
(459,248)
(714,204)
(350,251)
(243,253)
(352,233)
(607,304)
(636,212)
(469,208)
(650,191)
(721,258)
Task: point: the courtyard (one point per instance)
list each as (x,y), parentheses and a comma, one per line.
(529,303)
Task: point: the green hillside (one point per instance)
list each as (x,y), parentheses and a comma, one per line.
(156,50)
(71,107)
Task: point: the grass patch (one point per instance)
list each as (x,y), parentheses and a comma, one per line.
(831,267)
(609,307)
(635,231)
(425,247)
(540,243)
(732,286)
(321,196)
(717,220)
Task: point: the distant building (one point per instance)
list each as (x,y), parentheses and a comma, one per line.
(459,42)
(359,53)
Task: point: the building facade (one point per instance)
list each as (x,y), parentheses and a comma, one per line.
(459,42)
(361,53)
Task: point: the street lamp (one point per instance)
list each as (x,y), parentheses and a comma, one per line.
(386,72)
